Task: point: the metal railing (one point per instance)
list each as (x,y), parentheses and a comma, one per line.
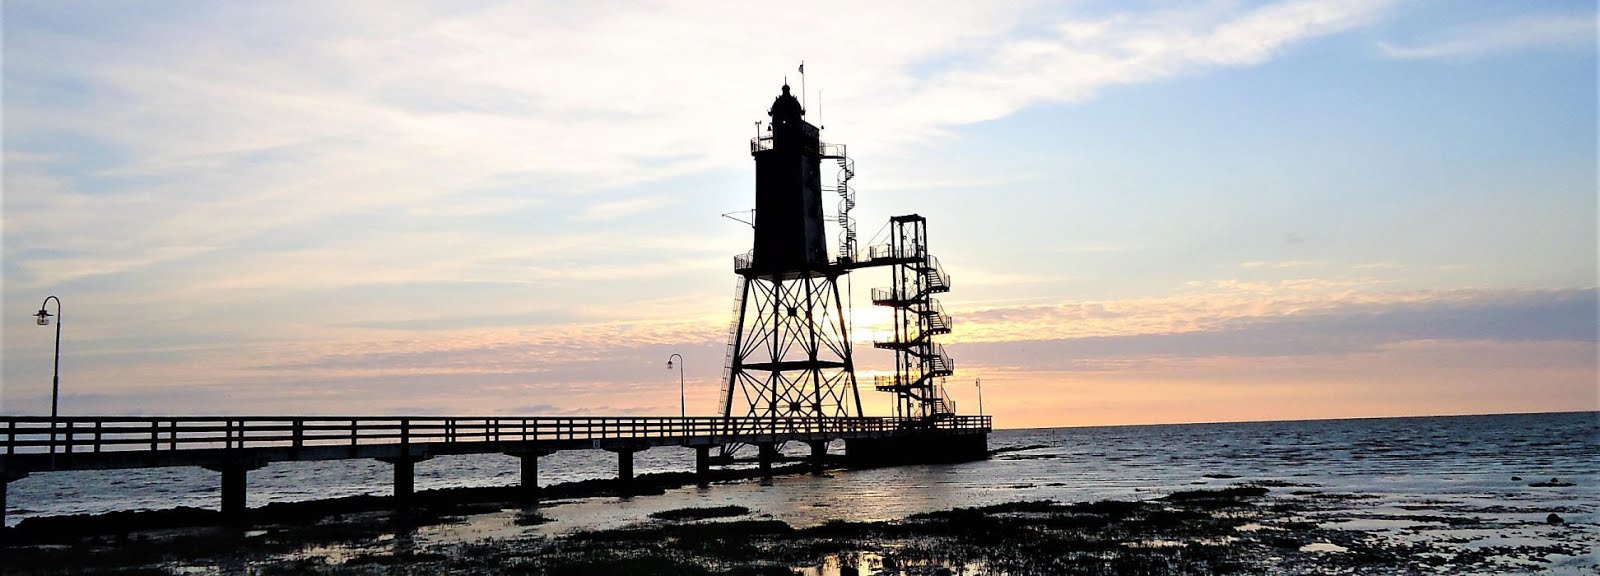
(96,434)
(733,337)
(935,277)
(885,297)
(937,323)
(890,251)
(941,364)
(883,382)
(945,405)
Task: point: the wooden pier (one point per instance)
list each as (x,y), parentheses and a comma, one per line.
(235,445)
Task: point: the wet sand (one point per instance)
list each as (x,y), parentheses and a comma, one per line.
(1250,527)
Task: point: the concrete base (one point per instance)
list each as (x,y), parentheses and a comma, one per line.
(233,487)
(529,478)
(819,455)
(529,463)
(766,453)
(702,462)
(624,468)
(930,447)
(405,478)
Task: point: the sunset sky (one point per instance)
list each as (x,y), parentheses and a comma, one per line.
(1151,211)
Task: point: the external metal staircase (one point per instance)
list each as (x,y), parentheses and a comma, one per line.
(847,200)
(918,318)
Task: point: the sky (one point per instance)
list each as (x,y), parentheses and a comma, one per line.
(1151,211)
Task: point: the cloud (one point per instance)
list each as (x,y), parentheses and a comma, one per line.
(237,150)
(1282,264)
(181,137)
(1290,314)
(1348,329)
(1531,31)
(296,205)
(618,209)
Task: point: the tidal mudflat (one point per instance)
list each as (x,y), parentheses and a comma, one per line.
(1244,528)
(1479,494)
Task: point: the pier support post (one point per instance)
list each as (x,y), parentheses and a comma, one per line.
(233,487)
(405,478)
(702,463)
(529,479)
(625,468)
(625,464)
(7,476)
(766,452)
(528,488)
(4,482)
(819,453)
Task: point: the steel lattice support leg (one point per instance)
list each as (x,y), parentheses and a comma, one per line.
(791,355)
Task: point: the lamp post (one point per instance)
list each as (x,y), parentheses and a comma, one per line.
(683,406)
(979,384)
(55,383)
(55,380)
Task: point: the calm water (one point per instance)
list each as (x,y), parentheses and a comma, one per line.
(1467,460)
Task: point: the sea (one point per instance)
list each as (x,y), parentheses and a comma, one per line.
(1481,464)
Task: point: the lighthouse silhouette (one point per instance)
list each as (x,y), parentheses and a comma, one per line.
(789,352)
(789,236)
(789,347)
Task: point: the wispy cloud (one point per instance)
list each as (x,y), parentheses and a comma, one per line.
(618,208)
(1278,265)
(222,171)
(295,207)
(211,140)
(1576,31)
(1298,306)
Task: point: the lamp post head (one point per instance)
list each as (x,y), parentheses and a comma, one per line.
(44,317)
(669,363)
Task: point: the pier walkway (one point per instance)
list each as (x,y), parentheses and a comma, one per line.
(234,445)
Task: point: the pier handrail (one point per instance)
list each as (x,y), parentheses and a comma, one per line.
(94,434)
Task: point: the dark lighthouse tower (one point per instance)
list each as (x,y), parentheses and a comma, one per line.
(789,350)
(789,235)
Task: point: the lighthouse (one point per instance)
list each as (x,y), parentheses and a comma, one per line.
(789,234)
(789,351)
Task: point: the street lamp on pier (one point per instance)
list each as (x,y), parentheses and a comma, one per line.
(683,405)
(979,384)
(43,317)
